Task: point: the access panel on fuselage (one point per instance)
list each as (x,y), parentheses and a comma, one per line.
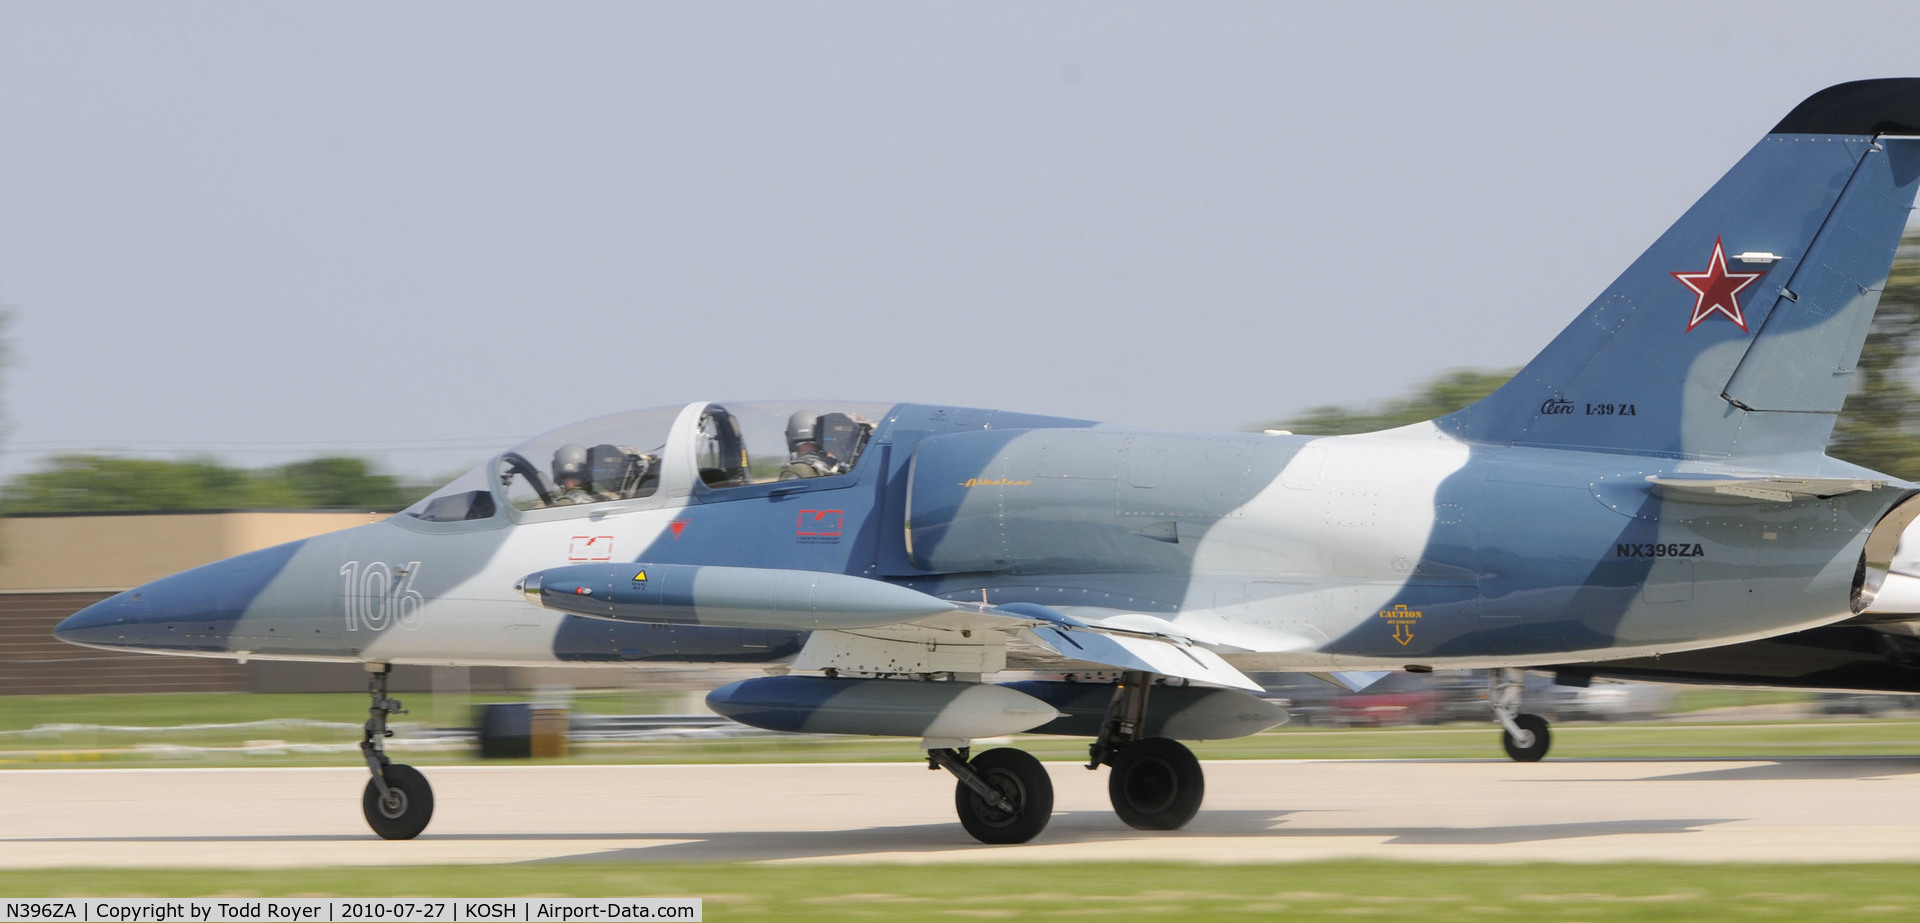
(1074,501)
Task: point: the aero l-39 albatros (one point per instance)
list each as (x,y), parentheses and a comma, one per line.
(1653,482)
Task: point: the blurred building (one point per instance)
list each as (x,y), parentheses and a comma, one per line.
(52,566)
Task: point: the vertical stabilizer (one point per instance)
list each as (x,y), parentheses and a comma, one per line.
(1737,332)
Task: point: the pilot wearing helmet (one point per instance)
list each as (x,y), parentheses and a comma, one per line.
(573,477)
(807,458)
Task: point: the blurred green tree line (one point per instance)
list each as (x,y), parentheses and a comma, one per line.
(100,483)
(1879,428)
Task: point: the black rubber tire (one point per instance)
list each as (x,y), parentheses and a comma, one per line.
(1156,784)
(1021,778)
(1542,739)
(414,810)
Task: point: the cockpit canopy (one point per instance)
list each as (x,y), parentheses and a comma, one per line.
(643,458)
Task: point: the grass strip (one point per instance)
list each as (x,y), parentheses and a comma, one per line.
(1832,737)
(1405,890)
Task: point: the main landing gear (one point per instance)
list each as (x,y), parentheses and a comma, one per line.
(1525,737)
(1005,796)
(398,801)
(1156,782)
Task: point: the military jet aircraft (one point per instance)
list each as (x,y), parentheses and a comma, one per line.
(1654,482)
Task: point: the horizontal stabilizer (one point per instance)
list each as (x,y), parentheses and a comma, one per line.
(1899,595)
(1150,655)
(1767,488)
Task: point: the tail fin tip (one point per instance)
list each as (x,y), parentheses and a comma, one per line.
(1884,106)
(1736,332)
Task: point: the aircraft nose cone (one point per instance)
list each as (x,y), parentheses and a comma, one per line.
(160,616)
(192,611)
(96,624)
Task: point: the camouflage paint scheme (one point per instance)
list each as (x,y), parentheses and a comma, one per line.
(1521,531)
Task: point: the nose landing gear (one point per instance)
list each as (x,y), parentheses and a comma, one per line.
(397,801)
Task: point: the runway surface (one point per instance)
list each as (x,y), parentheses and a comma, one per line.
(1820,809)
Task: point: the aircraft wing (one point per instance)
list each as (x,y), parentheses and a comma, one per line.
(1115,650)
(869,626)
(1768,488)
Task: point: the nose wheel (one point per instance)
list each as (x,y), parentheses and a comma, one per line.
(402,811)
(397,801)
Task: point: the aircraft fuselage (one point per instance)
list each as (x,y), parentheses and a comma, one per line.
(1280,551)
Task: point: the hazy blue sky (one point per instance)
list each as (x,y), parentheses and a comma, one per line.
(414,231)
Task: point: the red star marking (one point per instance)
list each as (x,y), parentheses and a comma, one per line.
(1716,290)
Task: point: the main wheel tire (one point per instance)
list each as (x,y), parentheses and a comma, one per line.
(1156,784)
(1532,724)
(410,810)
(1023,781)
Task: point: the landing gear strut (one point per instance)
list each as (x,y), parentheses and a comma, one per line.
(1526,738)
(1156,782)
(397,801)
(1004,795)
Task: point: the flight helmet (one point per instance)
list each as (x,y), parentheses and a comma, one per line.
(803,426)
(570,463)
